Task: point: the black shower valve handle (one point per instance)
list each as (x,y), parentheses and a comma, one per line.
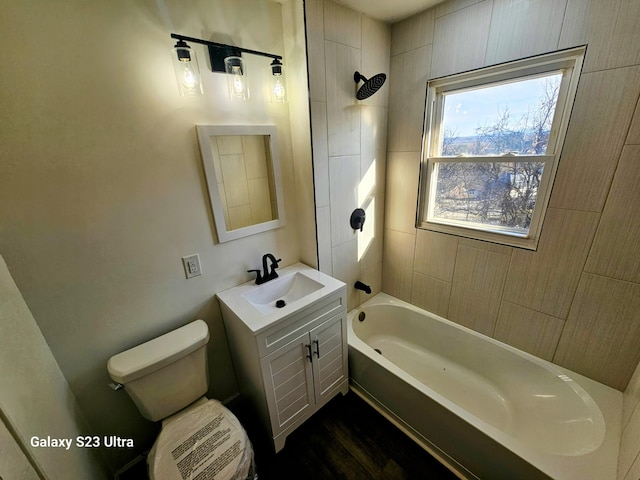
(357,219)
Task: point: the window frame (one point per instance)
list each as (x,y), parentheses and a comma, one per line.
(569,63)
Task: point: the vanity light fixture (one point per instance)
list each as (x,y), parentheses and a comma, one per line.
(227,59)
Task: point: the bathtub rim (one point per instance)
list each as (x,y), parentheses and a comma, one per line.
(607,400)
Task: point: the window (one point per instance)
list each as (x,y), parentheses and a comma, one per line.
(491,147)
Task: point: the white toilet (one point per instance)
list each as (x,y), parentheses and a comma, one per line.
(167,378)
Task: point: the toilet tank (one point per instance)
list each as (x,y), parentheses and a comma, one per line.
(165,374)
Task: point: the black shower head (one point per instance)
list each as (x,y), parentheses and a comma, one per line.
(370,86)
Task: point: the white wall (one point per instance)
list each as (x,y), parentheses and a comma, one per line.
(349,138)
(102,189)
(576,300)
(35,399)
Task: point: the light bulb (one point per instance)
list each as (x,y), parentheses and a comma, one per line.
(236,78)
(238,84)
(189,78)
(279,94)
(277,82)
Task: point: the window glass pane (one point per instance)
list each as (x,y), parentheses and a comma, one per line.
(500,195)
(512,117)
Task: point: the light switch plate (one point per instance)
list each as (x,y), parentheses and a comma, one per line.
(192,265)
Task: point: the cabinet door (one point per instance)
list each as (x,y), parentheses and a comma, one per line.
(329,356)
(288,381)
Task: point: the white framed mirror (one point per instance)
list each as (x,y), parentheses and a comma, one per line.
(242,168)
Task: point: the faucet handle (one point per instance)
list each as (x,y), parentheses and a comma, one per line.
(274,265)
(258,276)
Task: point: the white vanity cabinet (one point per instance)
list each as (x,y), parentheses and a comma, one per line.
(291,367)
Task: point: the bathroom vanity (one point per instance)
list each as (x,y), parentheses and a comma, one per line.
(289,360)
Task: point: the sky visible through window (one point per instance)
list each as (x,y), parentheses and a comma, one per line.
(467,111)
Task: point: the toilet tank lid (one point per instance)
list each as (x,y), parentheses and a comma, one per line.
(157,353)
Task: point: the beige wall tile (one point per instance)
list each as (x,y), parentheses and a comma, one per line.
(320,153)
(478,282)
(460,40)
(634,471)
(347,269)
(373,147)
(260,200)
(521,29)
(413,32)
(371,276)
(370,239)
(343,114)
(397,265)
(314,12)
(225,207)
(229,144)
(213,144)
(631,396)
(602,333)
(599,123)
(435,254)
(629,444)
(376,47)
(342,25)
(633,138)
(610,28)
(239,216)
(491,247)
(431,294)
(235,179)
(616,249)
(402,191)
(323,227)
(454,5)
(255,159)
(344,175)
(528,330)
(408,87)
(546,280)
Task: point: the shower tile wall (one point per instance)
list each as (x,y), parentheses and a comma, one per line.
(574,301)
(541,301)
(629,464)
(349,140)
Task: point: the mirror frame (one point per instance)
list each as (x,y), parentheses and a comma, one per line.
(205,132)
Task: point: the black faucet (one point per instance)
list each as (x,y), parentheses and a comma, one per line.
(362,286)
(269,274)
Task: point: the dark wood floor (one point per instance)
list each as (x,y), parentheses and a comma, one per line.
(346,439)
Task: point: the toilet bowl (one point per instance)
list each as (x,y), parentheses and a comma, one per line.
(200,438)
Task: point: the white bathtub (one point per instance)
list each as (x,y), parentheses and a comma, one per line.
(486,409)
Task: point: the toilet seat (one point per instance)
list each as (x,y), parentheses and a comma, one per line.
(206,442)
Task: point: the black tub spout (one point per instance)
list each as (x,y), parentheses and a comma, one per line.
(362,286)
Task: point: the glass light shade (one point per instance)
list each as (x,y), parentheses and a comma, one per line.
(236,78)
(185,66)
(278,83)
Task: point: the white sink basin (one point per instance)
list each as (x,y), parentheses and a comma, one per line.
(289,288)
(298,285)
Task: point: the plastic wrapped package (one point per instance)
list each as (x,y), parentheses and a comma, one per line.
(206,443)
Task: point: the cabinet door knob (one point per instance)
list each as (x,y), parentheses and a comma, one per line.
(308,345)
(317,352)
